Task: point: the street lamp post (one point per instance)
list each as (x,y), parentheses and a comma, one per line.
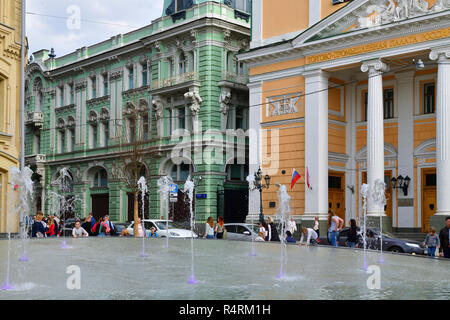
(260,186)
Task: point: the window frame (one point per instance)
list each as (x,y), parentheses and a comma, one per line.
(424,96)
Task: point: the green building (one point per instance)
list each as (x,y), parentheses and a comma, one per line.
(180,75)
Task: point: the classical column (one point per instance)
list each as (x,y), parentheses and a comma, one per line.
(316,144)
(375,129)
(442,56)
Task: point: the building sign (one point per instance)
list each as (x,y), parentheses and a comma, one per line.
(201,196)
(281,105)
(173,192)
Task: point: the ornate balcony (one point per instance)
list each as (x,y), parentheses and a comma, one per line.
(186,79)
(35,118)
(234,77)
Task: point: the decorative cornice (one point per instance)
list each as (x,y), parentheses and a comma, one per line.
(441,54)
(65,108)
(80,85)
(116,75)
(97,101)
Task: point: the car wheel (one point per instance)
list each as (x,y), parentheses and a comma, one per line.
(396,250)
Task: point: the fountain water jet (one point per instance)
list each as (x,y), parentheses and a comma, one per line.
(142,185)
(164,189)
(284,210)
(22,189)
(379,197)
(189,191)
(364,194)
(251,186)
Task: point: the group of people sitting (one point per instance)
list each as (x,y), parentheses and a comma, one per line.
(90,227)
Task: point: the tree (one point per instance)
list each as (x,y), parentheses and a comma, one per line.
(133,146)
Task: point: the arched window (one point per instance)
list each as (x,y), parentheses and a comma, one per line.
(100,179)
(180,172)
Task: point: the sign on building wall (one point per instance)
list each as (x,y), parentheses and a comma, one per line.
(286,104)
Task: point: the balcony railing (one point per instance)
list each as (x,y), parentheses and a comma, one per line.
(185,77)
(36,159)
(35,118)
(234,77)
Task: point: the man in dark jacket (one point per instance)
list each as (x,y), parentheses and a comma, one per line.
(273,233)
(38,229)
(444,235)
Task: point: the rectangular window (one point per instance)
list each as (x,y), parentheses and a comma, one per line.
(430,180)
(72,95)
(130,78)
(132,130)
(94,88)
(388,100)
(61,96)
(180,5)
(94,135)
(241,5)
(72,140)
(334,182)
(106,134)
(429,98)
(235,172)
(240,118)
(144,75)
(181,118)
(62,140)
(105,85)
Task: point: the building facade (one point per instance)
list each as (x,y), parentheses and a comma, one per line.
(181,76)
(349,94)
(10,83)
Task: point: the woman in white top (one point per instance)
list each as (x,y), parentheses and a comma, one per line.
(209,229)
(140,228)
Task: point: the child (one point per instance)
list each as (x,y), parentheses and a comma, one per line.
(316,226)
(290,238)
(432,242)
(153,233)
(261,236)
(78,231)
(311,236)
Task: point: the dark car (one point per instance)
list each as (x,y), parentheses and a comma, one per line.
(390,243)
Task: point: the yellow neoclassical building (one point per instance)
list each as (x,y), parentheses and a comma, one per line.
(353,92)
(10,84)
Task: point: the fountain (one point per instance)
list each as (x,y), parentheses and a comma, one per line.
(284,209)
(379,198)
(164,189)
(363,219)
(189,191)
(22,189)
(142,185)
(251,186)
(59,201)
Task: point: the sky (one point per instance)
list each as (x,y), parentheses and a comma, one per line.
(67,25)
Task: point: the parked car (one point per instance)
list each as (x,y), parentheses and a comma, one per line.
(390,243)
(241,231)
(160,226)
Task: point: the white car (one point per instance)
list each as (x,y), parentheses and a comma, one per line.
(160,226)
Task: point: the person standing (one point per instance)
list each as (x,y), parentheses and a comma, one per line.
(316,227)
(264,229)
(209,229)
(111,229)
(273,233)
(444,235)
(352,234)
(92,220)
(39,228)
(219,228)
(140,228)
(432,242)
(334,226)
(311,236)
(292,226)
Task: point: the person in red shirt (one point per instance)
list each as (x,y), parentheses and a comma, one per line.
(51,228)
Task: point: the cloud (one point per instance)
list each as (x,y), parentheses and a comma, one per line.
(47,25)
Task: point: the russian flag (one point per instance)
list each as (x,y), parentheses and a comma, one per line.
(295,177)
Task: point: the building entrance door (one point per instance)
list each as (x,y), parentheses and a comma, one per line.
(428,197)
(100,205)
(336,193)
